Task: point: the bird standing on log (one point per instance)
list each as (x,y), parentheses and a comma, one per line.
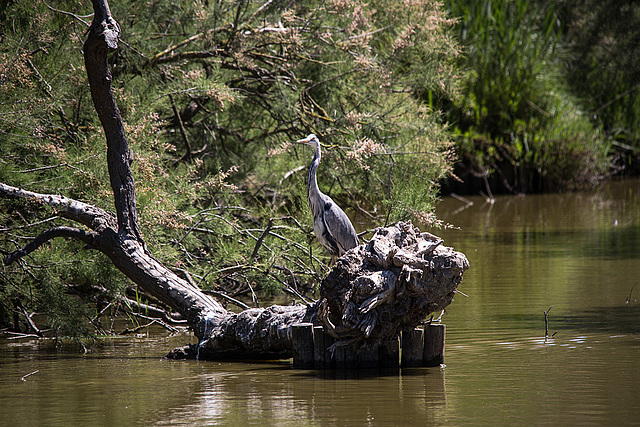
(331,225)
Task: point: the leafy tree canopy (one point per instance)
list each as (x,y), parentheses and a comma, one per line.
(213,94)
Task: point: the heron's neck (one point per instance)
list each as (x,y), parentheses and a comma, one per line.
(312,182)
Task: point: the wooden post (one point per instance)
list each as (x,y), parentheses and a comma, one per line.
(434,344)
(345,357)
(389,356)
(369,357)
(412,347)
(350,358)
(329,358)
(321,356)
(338,357)
(420,347)
(321,343)
(302,337)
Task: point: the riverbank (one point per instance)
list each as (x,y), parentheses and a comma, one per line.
(503,175)
(548,100)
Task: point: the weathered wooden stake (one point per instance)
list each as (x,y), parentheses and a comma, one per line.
(368,357)
(321,356)
(420,347)
(389,356)
(330,361)
(302,339)
(412,348)
(345,357)
(338,357)
(434,344)
(350,358)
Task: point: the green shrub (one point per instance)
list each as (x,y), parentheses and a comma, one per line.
(604,69)
(517,118)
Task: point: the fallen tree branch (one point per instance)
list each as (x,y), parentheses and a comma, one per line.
(52,233)
(88,215)
(228,298)
(19,335)
(29,320)
(152,321)
(24,377)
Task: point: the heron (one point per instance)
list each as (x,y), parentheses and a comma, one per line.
(331,225)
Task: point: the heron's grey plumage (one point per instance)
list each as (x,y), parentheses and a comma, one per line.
(331,225)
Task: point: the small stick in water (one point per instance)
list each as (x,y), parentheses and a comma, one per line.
(29,374)
(546,324)
(628,300)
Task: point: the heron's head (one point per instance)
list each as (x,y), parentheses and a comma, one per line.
(311,140)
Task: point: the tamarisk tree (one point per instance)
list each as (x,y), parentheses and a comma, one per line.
(409,274)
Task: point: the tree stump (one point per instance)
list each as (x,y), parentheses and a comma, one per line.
(389,285)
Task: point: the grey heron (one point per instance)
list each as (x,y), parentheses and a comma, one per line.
(331,225)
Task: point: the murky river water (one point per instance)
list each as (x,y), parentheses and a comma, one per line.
(579,253)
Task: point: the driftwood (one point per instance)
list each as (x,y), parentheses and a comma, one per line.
(373,291)
(389,285)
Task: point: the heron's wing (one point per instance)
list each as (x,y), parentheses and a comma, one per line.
(339,227)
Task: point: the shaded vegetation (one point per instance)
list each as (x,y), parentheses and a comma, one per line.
(545,105)
(212,94)
(604,71)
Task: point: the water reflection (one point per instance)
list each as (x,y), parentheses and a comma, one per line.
(257,394)
(575,252)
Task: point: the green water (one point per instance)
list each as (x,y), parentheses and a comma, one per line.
(579,253)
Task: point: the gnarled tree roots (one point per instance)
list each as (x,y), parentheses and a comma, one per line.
(388,285)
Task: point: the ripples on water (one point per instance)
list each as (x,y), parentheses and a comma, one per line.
(576,252)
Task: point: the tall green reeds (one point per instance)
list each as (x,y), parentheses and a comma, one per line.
(605,69)
(516,122)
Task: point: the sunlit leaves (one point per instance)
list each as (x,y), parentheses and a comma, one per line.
(212,94)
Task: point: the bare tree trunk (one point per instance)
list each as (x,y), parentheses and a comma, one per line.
(126,247)
(103,35)
(118,236)
(408,271)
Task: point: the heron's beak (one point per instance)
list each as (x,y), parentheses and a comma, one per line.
(304,140)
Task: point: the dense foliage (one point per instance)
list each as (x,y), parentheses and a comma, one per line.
(604,70)
(213,94)
(520,121)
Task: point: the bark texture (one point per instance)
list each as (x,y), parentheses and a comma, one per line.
(102,36)
(388,285)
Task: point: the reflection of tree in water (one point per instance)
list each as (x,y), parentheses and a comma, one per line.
(263,394)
